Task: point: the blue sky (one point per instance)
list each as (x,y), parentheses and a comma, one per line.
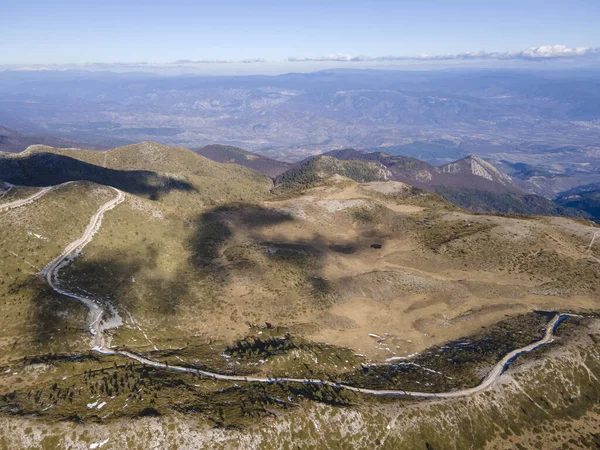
(159,32)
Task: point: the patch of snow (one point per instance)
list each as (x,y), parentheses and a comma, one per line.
(99,444)
(396,358)
(43,238)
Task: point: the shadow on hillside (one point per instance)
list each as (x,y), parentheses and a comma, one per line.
(52,317)
(216,251)
(46,169)
(108,281)
(115,280)
(215,227)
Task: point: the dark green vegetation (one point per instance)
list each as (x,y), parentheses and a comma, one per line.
(318,169)
(585,198)
(554,401)
(456,365)
(132,390)
(114,390)
(508,202)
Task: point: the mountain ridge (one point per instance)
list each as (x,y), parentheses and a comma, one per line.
(471,183)
(470,172)
(229,154)
(148,169)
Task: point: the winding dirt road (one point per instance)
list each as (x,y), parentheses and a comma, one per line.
(17,203)
(96,314)
(498,369)
(50,272)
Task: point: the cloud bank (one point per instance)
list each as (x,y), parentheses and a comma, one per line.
(181,63)
(217,61)
(543,52)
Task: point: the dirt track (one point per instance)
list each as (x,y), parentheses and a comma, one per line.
(43,191)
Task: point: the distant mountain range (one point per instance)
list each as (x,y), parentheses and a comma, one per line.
(541,127)
(471,172)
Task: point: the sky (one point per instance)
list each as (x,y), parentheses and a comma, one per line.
(285,35)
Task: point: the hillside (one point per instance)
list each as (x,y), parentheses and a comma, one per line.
(374,285)
(320,168)
(149,170)
(227,154)
(471,183)
(471,172)
(584,198)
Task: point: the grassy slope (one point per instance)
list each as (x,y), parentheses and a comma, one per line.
(31,237)
(204,276)
(176,175)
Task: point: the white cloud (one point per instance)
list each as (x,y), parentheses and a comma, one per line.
(82,66)
(345,58)
(556,51)
(217,61)
(253,60)
(203,61)
(534,53)
(541,53)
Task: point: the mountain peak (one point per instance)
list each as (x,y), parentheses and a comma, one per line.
(477,166)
